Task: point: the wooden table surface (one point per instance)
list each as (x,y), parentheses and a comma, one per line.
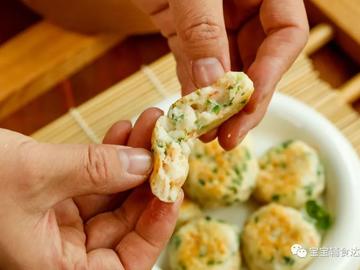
(128,56)
(345,15)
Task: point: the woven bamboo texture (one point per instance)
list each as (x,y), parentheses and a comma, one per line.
(130,97)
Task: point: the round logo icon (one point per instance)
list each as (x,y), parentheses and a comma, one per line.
(295,248)
(298,250)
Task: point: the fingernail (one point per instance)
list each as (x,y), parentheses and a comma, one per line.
(206,71)
(136,160)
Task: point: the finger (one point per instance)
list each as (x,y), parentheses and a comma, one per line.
(187,85)
(201,30)
(150,235)
(286,28)
(57,172)
(152,7)
(118,133)
(165,22)
(143,128)
(140,137)
(235,129)
(67,214)
(104,259)
(91,205)
(248,47)
(182,66)
(208,137)
(71,231)
(236,64)
(107,229)
(160,15)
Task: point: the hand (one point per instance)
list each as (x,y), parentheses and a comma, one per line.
(45,225)
(208,38)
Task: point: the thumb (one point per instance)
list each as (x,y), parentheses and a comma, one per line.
(202,36)
(72,170)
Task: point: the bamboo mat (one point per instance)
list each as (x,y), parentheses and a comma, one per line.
(89,122)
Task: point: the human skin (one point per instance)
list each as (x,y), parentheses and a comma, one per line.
(56,209)
(210,37)
(82,207)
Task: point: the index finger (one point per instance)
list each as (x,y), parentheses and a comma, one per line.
(201,38)
(140,248)
(286,28)
(143,128)
(285,25)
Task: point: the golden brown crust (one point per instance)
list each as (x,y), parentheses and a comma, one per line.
(188,118)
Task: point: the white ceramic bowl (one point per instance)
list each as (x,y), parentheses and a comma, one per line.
(288,118)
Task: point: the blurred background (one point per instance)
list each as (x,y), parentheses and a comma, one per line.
(45,70)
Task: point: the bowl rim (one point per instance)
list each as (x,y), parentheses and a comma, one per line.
(347,231)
